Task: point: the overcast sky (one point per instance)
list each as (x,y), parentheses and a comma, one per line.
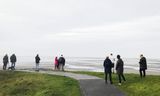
(80,27)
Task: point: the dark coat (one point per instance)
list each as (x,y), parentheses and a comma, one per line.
(107,65)
(13,58)
(61,60)
(37,59)
(5,59)
(143,63)
(119,66)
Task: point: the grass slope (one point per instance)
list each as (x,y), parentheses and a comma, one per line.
(32,84)
(135,86)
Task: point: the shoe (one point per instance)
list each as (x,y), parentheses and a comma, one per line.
(119,84)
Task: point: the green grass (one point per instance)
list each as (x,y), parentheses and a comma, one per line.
(14,83)
(134,86)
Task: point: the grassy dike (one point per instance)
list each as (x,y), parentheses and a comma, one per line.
(14,83)
(134,86)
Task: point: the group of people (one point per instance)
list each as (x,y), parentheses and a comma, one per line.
(13,61)
(109,65)
(59,63)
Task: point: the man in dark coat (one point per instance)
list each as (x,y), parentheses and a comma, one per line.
(37,60)
(107,69)
(5,62)
(61,61)
(143,66)
(119,69)
(13,60)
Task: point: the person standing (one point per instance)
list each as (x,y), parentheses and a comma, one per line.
(61,62)
(119,69)
(143,65)
(107,69)
(113,62)
(56,63)
(13,60)
(37,60)
(5,62)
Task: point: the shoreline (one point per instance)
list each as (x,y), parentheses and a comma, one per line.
(78,67)
(126,71)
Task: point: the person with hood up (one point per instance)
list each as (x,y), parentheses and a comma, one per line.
(107,69)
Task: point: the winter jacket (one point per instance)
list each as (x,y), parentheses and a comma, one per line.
(13,58)
(5,59)
(107,65)
(37,59)
(61,60)
(143,63)
(56,61)
(119,66)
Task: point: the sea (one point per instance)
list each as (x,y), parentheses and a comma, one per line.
(94,64)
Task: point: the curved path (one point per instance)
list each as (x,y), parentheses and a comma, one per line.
(90,85)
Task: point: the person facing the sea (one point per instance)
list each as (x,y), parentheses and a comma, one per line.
(113,62)
(37,61)
(119,69)
(56,63)
(61,62)
(13,60)
(5,62)
(107,69)
(143,65)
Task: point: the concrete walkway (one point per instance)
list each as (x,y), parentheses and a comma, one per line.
(90,85)
(66,74)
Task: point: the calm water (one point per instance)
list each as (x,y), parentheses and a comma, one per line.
(84,63)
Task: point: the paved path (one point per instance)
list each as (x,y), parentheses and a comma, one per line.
(97,87)
(90,85)
(67,74)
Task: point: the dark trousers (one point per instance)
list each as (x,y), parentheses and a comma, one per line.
(61,66)
(13,64)
(4,65)
(119,77)
(142,72)
(110,76)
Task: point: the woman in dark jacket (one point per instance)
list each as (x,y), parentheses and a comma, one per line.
(119,69)
(107,68)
